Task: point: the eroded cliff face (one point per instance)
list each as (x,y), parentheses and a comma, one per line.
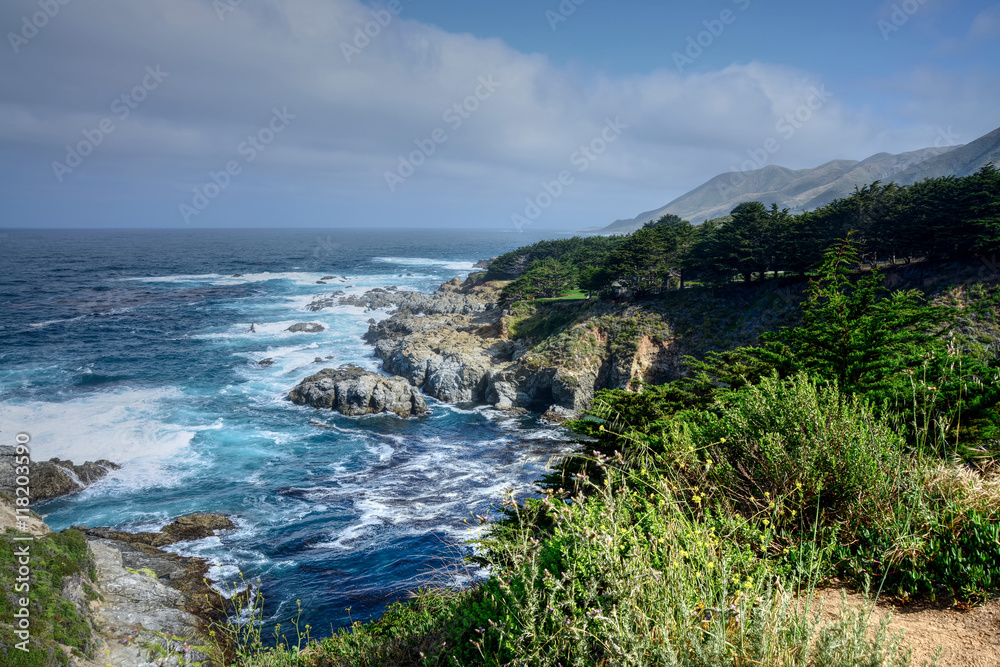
(458,346)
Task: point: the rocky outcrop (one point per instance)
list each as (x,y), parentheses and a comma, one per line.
(454,345)
(130,604)
(136,594)
(142,552)
(154,604)
(355,392)
(306,327)
(453,297)
(191,527)
(29,522)
(52,478)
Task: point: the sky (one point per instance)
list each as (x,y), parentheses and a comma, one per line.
(474,114)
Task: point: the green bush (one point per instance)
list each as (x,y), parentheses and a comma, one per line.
(944,538)
(804,440)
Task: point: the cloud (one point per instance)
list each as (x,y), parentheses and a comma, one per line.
(362,101)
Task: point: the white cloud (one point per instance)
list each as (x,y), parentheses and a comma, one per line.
(355,118)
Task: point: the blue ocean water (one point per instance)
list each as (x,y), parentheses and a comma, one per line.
(134,346)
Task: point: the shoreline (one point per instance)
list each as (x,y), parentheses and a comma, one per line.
(457,345)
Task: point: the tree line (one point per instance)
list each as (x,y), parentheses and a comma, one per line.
(939,218)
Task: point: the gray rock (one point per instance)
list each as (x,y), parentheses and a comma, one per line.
(559,415)
(355,392)
(52,478)
(454,345)
(306,327)
(264,363)
(451,298)
(133,599)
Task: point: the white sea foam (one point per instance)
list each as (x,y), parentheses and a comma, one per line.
(451,265)
(218,279)
(48,323)
(427,485)
(128,427)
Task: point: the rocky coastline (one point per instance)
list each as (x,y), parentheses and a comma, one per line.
(455,345)
(144,606)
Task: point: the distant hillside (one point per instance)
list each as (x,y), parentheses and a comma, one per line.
(807,189)
(962,161)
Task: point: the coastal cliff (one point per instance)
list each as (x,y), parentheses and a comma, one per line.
(460,345)
(100,597)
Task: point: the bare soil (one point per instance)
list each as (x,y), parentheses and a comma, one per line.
(965,637)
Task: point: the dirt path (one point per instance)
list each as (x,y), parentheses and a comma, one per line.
(966,638)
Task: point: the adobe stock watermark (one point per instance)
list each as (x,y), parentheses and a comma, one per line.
(325,247)
(21,621)
(898,17)
(562,13)
(365,33)
(32,25)
(249,150)
(581,159)
(225,7)
(122,107)
(455,116)
(786,128)
(945,138)
(714,28)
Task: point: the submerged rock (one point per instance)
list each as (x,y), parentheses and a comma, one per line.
(355,392)
(306,327)
(190,527)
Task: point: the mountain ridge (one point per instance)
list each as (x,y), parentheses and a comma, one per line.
(807,189)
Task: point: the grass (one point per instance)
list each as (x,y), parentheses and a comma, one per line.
(537,321)
(55,620)
(572,295)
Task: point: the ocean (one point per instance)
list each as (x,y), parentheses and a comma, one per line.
(133,346)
